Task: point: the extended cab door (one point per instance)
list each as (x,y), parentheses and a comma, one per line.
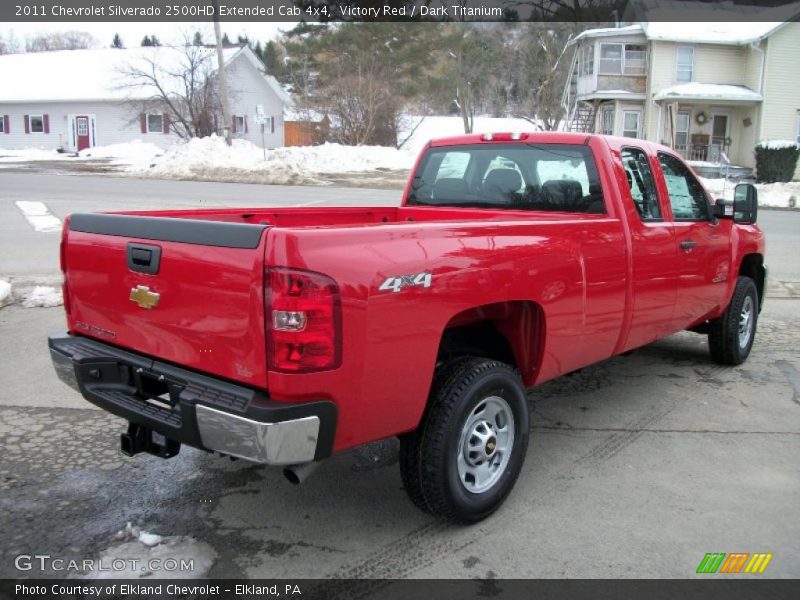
(653,252)
(703,244)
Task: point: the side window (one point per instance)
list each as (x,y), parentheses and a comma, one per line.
(686,195)
(641,183)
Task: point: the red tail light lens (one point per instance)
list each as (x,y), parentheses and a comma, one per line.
(303,321)
(63,263)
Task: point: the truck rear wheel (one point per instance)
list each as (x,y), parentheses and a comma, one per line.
(465,458)
(731,336)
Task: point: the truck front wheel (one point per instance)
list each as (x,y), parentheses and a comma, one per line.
(464,459)
(731,336)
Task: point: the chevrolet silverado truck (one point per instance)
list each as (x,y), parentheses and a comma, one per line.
(285,335)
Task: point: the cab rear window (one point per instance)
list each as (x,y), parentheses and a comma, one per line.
(551,177)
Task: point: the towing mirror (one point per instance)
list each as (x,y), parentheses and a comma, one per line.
(745,203)
(723,209)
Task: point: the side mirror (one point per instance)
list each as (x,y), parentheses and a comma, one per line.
(723,209)
(745,203)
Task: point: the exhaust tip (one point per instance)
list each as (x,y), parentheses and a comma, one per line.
(289,473)
(297,474)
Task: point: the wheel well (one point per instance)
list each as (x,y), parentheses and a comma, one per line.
(510,332)
(753,267)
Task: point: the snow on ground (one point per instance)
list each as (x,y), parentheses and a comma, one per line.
(43,296)
(5,293)
(769,194)
(148,555)
(134,155)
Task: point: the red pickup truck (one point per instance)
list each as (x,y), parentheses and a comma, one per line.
(283,336)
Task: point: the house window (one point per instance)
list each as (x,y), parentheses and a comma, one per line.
(635,59)
(630,123)
(3,124)
(36,123)
(607,121)
(586,60)
(797,138)
(685,64)
(682,122)
(611,59)
(155,123)
(238,124)
(622,59)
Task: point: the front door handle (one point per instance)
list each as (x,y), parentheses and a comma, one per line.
(688,244)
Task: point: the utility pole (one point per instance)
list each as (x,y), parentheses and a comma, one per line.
(227,123)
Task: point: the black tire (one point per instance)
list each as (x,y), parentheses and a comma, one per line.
(724,341)
(430,456)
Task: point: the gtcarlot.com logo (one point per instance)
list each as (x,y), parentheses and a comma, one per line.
(735,562)
(45,562)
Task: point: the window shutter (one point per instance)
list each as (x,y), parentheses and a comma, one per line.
(27,123)
(272,124)
(46,119)
(6,124)
(143,121)
(233,127)
(165,121)
(245,123)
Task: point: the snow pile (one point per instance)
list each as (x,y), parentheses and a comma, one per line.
(5,293)
(337,158)
(420,130)
(211,157)
(769,194)
(776,144)
(43,296)
(140,550)
(135,155)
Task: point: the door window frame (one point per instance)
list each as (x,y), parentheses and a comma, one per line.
(657,196)
(706,205)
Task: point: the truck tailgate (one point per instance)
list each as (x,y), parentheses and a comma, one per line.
(202,308)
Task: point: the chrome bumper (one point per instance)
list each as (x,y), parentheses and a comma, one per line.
(284,443)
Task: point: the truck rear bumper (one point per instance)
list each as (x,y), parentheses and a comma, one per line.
(193,408)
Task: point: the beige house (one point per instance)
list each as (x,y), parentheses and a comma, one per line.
(711,91)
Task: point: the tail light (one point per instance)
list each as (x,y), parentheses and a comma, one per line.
(63,264)
(303,321)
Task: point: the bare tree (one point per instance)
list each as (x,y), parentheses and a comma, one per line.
(66,40)
(183,84)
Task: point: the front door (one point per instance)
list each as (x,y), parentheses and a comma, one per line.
(719,130)
(82,132)
(704,259)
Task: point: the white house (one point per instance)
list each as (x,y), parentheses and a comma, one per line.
(77,99)
(708,89)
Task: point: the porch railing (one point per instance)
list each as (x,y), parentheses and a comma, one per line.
(706,152)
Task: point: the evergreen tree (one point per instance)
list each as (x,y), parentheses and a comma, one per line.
(226,41)
(117,42)
(146,41)
(198,39)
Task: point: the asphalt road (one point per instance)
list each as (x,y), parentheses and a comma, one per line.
(637,466)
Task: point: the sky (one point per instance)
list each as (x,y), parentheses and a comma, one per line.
(132,33)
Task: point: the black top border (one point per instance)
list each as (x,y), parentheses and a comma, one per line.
(293,11)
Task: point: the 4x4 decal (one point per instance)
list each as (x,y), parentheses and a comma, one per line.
(398,282)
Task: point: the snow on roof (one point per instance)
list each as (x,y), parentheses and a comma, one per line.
(708,91)
(733,33)
(73,75)
(608,31)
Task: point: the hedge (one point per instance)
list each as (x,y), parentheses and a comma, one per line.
(776,162)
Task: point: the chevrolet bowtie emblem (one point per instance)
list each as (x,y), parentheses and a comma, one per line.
(142,295)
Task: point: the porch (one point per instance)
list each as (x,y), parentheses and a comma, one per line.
(710,124)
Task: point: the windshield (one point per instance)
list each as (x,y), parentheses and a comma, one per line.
(556,177)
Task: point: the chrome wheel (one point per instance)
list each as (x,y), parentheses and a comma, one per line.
(485,445)
(746,322)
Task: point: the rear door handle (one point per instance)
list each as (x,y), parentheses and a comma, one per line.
(688,244)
